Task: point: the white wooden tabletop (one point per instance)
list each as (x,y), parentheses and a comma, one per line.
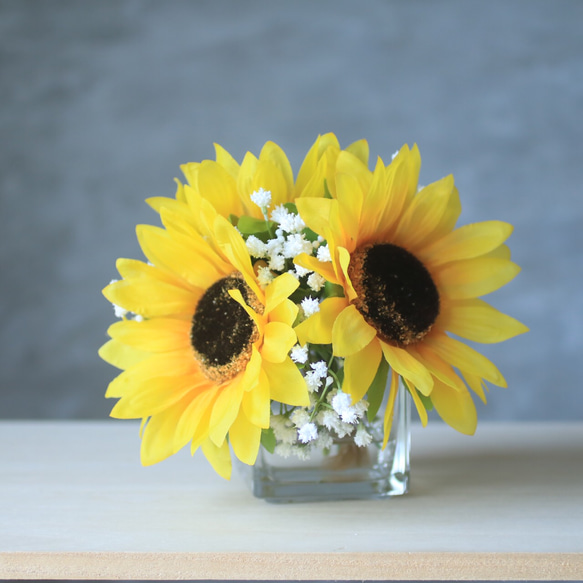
(75,503)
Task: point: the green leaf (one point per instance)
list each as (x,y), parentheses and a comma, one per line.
(291,207)
(309,234)
(427,403)
(268,440)
(233,219)
(376,391)
(251,226)
(333,290)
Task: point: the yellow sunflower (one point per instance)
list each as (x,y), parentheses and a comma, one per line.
(228,185)
(208,347)
(408,277)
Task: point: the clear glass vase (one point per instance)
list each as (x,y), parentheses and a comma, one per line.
(346,472)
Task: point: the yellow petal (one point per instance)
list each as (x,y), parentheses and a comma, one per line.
(315,212)
(245,439)
(360,370)
(120,355)
(278,340)
(476,384)
(401,184)
(215,184)
(270,177)
(375,198)
(424,214)
(167,254)
(360,150)
(286,312)
(421,410)
(317,329)
(279,290)
(312,158)
(343,263)
(174,363)
(218,457)
(276,157)
(408,367)
(138,270)
(194,422)
(234,248)
(158,435)
(437,366)
(155,335)
(226,409)
(448,220)
(257,404)
(350,197)
(476,320)
(350,333)
(456,408)
(325,269)
(467,242)
(152,298)
(465,358)
(390,408)
(227,161)
(286,383)
(474,277)
(156,395)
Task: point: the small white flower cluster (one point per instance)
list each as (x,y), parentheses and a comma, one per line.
(286,243)
(331,415)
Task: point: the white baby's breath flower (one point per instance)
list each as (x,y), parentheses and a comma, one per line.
(295,244)
(283,429)
(284,450)
(277,262)
(341,402)
(320,369)
(256,247)
(302,271)
(264,276)
(302,453)
(313,381)
(119,311)
(308,432)
(362,438)
(325,440)
(262,198)
(328,418)
(299,417)
(289,222)
(323,254)
(279,213)
(299,354)
(310,306)
(315,281)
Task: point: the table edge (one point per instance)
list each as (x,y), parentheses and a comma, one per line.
(291,566)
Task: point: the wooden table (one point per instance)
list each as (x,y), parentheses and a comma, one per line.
(76,504)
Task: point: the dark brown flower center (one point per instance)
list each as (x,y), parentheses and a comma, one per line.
(396,294)
(222,332)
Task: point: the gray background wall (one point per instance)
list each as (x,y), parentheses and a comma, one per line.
(101,101)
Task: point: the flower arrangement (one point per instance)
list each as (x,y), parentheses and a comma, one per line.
(284,313)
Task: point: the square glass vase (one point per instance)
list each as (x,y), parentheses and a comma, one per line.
(346,472)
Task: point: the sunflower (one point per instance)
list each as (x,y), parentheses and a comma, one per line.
(406,277)
(228,185)
(207,347)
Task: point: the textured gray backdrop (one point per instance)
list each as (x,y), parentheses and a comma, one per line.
(101,101)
